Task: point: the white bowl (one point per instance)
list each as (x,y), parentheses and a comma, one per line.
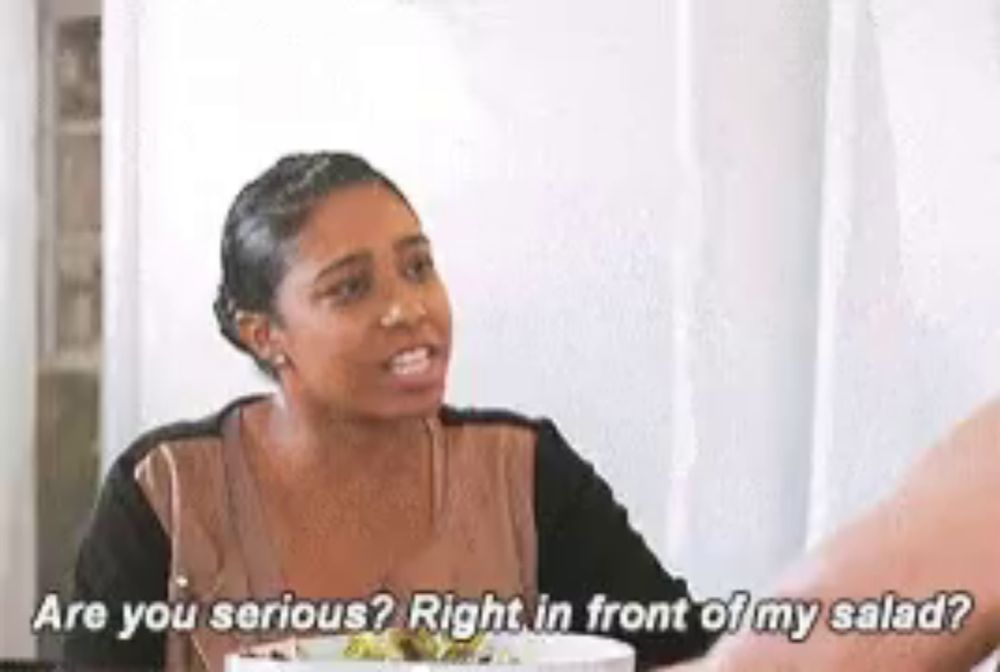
(535,653)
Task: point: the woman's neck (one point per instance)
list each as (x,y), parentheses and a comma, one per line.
(304,441)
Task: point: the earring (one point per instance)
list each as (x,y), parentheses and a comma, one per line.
(280,360)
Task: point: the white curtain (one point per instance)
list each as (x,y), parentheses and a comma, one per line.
(837,263)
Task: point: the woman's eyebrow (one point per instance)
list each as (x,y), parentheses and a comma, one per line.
(417,239)
(350,260)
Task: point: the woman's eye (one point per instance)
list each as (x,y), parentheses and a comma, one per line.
(420,268)
(348,289)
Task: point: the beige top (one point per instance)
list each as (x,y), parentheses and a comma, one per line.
(204,495)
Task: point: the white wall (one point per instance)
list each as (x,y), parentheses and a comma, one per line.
(18,234)
(533,138)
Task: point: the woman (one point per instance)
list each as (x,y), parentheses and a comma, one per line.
(939,532)
(354,477)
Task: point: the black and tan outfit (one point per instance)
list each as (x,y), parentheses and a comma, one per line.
(516,512)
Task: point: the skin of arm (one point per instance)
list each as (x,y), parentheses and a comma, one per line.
(938,531)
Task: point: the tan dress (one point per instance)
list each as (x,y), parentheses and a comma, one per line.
(202,491)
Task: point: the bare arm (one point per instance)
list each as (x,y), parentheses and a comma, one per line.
(940,530)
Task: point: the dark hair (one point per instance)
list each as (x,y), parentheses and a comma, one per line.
(263,223)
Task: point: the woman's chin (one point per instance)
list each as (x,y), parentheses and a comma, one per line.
(411,396)
(403,407)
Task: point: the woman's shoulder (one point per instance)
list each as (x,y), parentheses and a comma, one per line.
(489,439)
(540,433)
(190,430)
(542,427)
(559,471)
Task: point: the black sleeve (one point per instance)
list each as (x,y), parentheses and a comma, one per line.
(586,546)
(123,557)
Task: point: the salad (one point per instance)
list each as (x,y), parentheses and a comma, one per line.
(421,645)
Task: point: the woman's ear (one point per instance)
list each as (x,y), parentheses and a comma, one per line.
(257,333)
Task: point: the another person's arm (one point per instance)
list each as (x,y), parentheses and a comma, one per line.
(939,531)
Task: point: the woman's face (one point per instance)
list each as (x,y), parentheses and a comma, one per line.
(364,319)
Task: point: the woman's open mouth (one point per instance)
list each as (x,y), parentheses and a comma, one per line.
(411,362)
(417,367)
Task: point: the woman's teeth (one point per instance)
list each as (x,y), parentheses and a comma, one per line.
(411,362)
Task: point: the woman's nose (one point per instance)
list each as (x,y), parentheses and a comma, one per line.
(401,312)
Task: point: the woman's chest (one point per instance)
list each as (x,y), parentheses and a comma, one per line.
(345,544)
